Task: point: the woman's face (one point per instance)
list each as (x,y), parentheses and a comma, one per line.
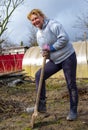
(37,21)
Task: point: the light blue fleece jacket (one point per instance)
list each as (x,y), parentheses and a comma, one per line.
(53,34)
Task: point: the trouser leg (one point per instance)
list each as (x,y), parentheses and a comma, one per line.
(50,69)
(69,67)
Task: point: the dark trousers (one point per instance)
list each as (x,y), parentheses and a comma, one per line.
(69,69)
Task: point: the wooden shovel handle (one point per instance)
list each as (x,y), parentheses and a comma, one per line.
(40,83)
(35,114)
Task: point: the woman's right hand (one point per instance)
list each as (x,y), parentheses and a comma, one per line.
(46,54)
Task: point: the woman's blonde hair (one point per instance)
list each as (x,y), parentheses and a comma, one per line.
(37,12)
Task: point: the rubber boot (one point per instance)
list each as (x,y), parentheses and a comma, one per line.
(73,105)
(73,114)
(42,106)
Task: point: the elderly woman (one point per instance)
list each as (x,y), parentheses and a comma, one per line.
(55,46)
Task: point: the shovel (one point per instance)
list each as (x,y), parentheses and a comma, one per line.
(35,114)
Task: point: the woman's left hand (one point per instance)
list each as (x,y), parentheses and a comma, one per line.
(46,47)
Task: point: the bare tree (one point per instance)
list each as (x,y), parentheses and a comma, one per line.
(8,43)
(7,7)
(82,24)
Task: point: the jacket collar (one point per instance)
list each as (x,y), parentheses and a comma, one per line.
(45,23)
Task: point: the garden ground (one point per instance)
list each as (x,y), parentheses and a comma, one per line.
(14,100)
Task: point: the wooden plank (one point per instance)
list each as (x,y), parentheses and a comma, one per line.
(8,73)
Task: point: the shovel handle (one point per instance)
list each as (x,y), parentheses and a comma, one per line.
(40,83)
(35,114)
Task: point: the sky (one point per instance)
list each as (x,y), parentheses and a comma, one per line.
(65,11)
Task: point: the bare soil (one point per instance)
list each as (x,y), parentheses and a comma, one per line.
(14,100)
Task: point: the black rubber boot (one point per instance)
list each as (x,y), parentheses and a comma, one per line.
(42,106)
(73,104)
(73,114)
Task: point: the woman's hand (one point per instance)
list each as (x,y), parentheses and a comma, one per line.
(46,51)
(46,54)
(46,47)
(50,48)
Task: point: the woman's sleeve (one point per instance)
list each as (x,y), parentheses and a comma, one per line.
(62,37)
